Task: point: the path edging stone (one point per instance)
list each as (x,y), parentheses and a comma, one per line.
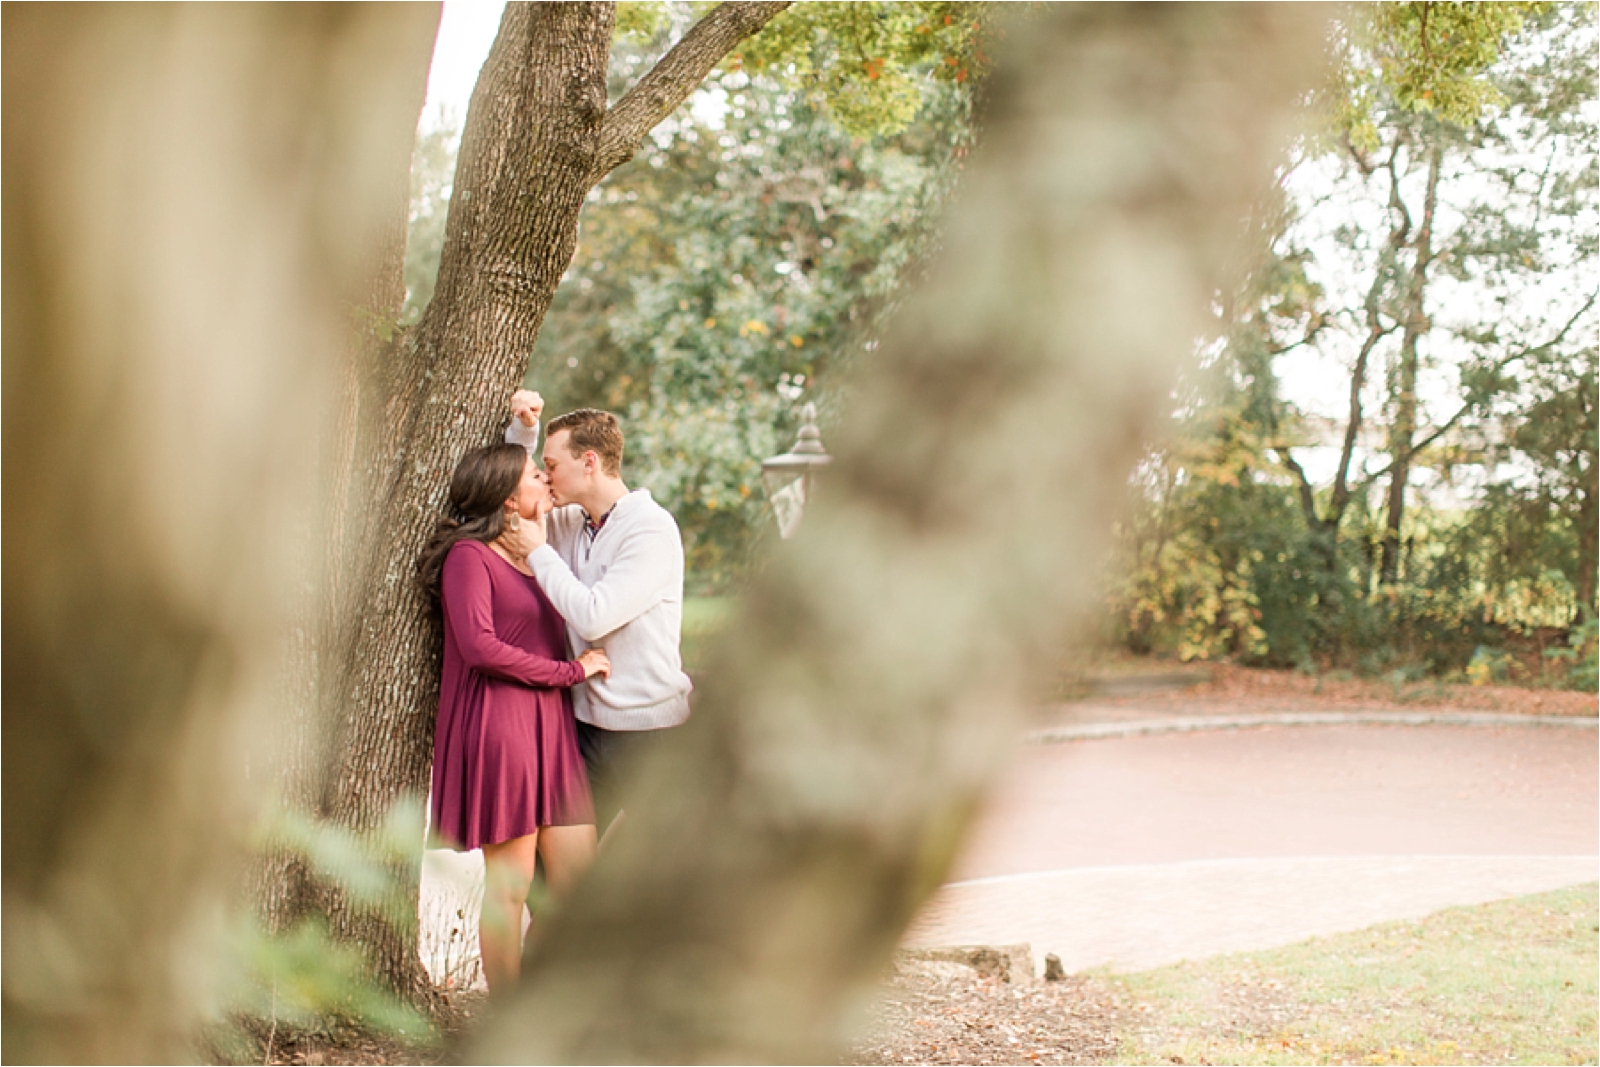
(1055,735)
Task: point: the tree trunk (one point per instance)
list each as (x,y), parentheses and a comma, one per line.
(1403,430)
(525,155)
(538,136)
(1588,527)
(1325,528)
(195,196)
(878,668)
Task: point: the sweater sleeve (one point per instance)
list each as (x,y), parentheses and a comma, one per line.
(526,436)
(468,594)
(637,580)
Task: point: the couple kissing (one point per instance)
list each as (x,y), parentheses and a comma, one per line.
(561,592)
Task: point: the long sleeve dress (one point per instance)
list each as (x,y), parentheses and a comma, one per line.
(505,750)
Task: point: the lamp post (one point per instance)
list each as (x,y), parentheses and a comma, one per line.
(788,477)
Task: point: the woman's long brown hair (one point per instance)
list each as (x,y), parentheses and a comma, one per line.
(484,479)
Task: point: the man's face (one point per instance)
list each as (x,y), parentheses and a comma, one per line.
(564,470)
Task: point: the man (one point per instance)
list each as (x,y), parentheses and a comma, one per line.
(612,563)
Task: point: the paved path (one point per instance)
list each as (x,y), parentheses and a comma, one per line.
(1138,850)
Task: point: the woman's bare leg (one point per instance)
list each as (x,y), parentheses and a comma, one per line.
(568,851)
(508,872)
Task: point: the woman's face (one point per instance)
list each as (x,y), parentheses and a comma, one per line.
(532,497)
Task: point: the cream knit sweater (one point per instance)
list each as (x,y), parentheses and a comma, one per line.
(623,592)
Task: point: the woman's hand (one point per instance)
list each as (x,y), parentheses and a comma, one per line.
(595,662)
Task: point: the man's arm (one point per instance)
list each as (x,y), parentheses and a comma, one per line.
(637,580)
(526,407)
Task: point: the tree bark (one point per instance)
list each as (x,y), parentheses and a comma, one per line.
(877,670)
(195,196)
(537,138)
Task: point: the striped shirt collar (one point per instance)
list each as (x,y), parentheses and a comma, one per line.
(591,527)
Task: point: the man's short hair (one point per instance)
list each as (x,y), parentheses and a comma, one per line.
(594,431)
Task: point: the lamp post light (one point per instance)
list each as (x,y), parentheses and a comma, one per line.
(788,477)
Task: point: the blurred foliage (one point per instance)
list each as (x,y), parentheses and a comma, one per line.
(1225,556)
(1424,57)
(1581,657)
(303,980)
(867,65)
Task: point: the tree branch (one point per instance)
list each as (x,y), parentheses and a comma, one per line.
(1308,502)
(1313,328)
(1376,331)
(669,83)
(1461,412)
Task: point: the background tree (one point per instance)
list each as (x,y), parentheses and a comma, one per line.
(433,172)
(1435,256)
(726,275)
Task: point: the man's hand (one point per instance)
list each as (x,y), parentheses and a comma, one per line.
(595,662)
(520,540)
(527,406)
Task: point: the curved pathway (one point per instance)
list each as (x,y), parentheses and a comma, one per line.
(1155,844)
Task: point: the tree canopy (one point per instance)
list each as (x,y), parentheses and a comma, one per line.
(751,248)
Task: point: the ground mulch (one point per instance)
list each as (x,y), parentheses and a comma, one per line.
(935,1012)
(928,1012)
(253,1040)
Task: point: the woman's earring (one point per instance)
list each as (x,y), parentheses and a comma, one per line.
(513,520)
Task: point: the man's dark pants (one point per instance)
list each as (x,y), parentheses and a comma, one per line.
(611,756)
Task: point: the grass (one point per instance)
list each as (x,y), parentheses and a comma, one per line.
(703,616)
(1513,981)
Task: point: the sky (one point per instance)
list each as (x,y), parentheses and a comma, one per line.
(465,33)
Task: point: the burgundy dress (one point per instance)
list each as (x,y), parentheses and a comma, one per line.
(505,751)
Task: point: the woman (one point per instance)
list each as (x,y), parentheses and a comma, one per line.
(507,775)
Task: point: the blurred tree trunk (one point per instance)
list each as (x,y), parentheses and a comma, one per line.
(538,137)
(283,886)
(876,674)
(195,197)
